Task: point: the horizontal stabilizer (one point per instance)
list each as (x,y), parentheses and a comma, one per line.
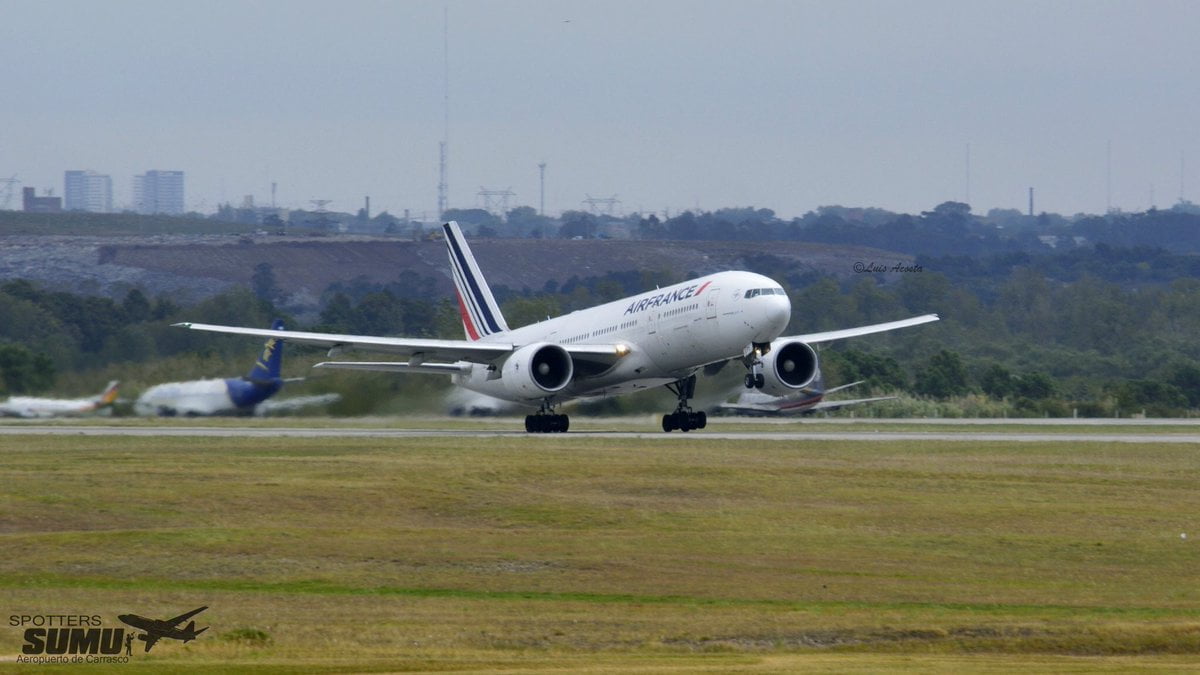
(397,367)
(843,387)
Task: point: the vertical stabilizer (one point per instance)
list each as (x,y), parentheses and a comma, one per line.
(480,314)
(108,396)
(270,363)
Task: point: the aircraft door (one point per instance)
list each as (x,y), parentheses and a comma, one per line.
(712,303)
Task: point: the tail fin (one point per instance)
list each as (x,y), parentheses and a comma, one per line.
(270,363)
(107,396)
(480,314)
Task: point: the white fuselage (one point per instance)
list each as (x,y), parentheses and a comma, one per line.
(26,406)
(187,399)
(670,333)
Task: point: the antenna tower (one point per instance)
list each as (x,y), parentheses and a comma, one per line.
(609,204)
(443,185)
(542,180)
(496,201)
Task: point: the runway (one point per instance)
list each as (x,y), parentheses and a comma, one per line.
(696,436)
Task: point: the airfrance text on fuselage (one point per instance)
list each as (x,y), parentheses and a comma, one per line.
(664,298)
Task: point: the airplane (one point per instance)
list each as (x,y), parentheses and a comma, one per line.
(232,396)
(663,337)
(807,400)
(26,406)
(464,402)
(168,628)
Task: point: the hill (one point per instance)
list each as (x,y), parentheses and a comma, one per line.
(193,267)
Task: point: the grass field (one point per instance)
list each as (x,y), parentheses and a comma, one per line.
(547,554)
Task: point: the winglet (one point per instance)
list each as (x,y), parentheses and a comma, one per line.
(480,314)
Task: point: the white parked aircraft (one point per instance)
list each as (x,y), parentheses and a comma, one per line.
(809,399)
(26,406)
(660,337)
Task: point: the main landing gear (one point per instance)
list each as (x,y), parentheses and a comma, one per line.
(546,422)
(684,418)
(753,360)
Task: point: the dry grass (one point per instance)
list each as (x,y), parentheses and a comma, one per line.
(553,553)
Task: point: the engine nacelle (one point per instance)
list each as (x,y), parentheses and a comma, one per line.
(789,366)
(535,371)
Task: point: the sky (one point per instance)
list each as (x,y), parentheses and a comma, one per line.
(665,104)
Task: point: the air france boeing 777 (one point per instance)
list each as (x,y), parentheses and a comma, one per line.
(660,337)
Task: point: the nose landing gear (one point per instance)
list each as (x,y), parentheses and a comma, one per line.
(753,360)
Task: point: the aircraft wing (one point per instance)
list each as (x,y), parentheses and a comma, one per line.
(184,617)
(150,639)
(828,336)
(433,350)
(834,405)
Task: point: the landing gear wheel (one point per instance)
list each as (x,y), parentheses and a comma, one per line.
(760,381)
(545,423)
(684,418)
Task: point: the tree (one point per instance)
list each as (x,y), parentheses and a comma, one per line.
(943,377)
(24,371)
(136,306)
(578,225)
(996,381)
(1035,385)
(338,315)
(263,282)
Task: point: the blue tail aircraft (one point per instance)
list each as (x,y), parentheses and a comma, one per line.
(232,396)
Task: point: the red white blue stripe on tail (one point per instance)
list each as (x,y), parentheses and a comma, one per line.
(481,315)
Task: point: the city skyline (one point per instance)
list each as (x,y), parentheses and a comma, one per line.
(667,105)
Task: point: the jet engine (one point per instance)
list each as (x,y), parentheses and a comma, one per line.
(787,367)
(537,370)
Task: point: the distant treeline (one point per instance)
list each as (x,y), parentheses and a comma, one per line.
(949,229)
(1104,330)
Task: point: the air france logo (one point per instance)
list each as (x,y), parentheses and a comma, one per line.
(666,298)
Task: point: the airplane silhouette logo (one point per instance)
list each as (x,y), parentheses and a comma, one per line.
(164,628)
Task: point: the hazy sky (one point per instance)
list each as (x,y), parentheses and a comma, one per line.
(667,104)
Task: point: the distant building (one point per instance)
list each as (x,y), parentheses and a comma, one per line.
(158,192)
(87,191)
(36,204)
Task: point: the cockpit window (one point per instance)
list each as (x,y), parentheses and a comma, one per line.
(755,292)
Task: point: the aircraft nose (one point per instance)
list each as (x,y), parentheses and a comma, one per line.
(780,312)
(776,312)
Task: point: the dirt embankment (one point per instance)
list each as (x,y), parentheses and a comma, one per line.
(192,267)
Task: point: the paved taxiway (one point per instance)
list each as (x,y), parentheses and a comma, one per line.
(699,436)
